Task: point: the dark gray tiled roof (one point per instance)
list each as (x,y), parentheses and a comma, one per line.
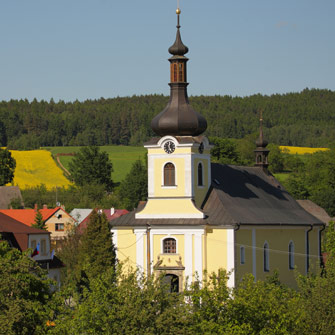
(238,195)
(248,195)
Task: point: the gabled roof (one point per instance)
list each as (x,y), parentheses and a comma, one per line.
(110,215)
(7,194)
(248,195)
(27,216)
(20,231)
(80,214)
(239,195)
(315,210)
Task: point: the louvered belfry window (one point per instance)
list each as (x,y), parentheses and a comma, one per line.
(169,175)
(169,246)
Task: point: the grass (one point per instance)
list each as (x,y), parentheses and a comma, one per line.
(122,157)
(281,177)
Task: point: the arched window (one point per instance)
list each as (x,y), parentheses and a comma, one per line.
(169,246)
(169,175)
(200,175)
(242,255)
(291,255)
(266,257)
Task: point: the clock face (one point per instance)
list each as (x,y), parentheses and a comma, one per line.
(201,148)
(169,147)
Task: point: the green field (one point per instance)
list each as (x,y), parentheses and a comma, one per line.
(122,157)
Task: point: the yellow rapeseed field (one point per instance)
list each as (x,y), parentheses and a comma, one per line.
(37,167)
(301,150)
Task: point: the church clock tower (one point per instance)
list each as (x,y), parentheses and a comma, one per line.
(179,172)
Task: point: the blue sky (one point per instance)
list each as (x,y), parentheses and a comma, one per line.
(87,49)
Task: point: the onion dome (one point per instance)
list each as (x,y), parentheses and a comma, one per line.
(178,118)
(178,48)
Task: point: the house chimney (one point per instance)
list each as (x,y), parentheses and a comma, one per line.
(112,211)
(45,206)
(35,208)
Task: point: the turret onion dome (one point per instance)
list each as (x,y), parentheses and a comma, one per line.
(178,48)
(261,142)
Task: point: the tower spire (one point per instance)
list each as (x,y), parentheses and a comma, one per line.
(178,118)
(261,151)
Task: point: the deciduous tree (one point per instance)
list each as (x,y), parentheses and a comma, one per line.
(91,166)
(25,296)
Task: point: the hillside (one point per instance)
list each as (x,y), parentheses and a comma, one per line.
(299,119)
(122,157)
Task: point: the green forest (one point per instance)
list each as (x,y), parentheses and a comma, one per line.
(299,119)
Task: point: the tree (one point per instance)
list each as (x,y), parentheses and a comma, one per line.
(134,305)
(134,187)
(39,222)
(276,159)
(7,167)
(25,297)
(224,151)
(96,249)
(318,294)
(90,166)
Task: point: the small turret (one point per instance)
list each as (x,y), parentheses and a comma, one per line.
(261,151)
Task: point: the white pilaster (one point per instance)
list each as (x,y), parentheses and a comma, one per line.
(114,240)
(198,255)
(188,258)
(231,257)
(254,268)
(140,248)
(151,176)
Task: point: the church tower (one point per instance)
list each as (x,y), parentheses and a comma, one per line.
(179,172)
(261,151)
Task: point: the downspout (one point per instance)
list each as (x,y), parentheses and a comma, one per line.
(307,248)
(320,247)
(148,252)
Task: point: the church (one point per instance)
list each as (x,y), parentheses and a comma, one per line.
(201,216)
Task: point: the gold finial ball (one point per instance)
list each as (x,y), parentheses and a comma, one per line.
(178,11)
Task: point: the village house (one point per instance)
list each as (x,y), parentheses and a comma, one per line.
(57,220)
(22,237)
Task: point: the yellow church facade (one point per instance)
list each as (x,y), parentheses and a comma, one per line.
(201,217)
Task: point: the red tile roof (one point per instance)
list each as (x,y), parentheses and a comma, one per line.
(18,229)
(27,216)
